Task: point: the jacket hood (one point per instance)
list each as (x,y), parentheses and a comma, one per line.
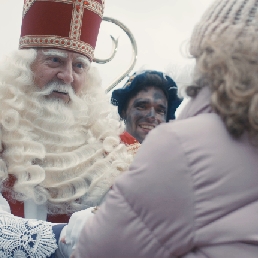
(197,105)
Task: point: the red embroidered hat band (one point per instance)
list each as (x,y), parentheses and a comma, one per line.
(65,24)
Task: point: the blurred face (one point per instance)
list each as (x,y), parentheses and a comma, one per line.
(145,111)
(61,69)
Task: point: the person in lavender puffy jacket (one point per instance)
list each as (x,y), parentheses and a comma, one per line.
(192,189)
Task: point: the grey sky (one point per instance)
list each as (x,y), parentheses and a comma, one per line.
(161,29)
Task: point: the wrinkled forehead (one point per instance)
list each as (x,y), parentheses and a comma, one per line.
(64,54)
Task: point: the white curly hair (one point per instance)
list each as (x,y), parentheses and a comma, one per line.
(65,156)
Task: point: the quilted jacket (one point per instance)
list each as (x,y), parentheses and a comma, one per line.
(191,192)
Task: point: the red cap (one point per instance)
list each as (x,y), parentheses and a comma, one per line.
(65,24)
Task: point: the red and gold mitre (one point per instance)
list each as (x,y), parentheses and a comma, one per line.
(65,24)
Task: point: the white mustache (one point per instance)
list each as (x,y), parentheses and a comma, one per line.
(75,100)
(57,86)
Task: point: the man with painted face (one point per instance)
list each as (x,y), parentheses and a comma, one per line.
(60,145)
(147,99)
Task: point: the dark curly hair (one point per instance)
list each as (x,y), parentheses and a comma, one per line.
(141,81)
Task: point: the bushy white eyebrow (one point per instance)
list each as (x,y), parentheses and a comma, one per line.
(84,60)
(54,52)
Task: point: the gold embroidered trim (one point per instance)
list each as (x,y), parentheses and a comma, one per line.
(76,23)
(57,42)
(133,148)
(95,7)
(27,5)
(78,10)
(62,1)
(91,5)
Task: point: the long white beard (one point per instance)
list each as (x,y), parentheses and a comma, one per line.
(64,154)
(59,126)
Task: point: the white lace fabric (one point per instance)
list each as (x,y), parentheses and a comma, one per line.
(23,238)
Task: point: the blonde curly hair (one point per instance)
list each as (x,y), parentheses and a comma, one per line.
(231,72)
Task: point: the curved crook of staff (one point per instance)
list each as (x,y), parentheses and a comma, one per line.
(113,52)
(134,48)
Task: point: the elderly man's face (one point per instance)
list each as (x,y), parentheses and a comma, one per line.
(145,111)
(63,68)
